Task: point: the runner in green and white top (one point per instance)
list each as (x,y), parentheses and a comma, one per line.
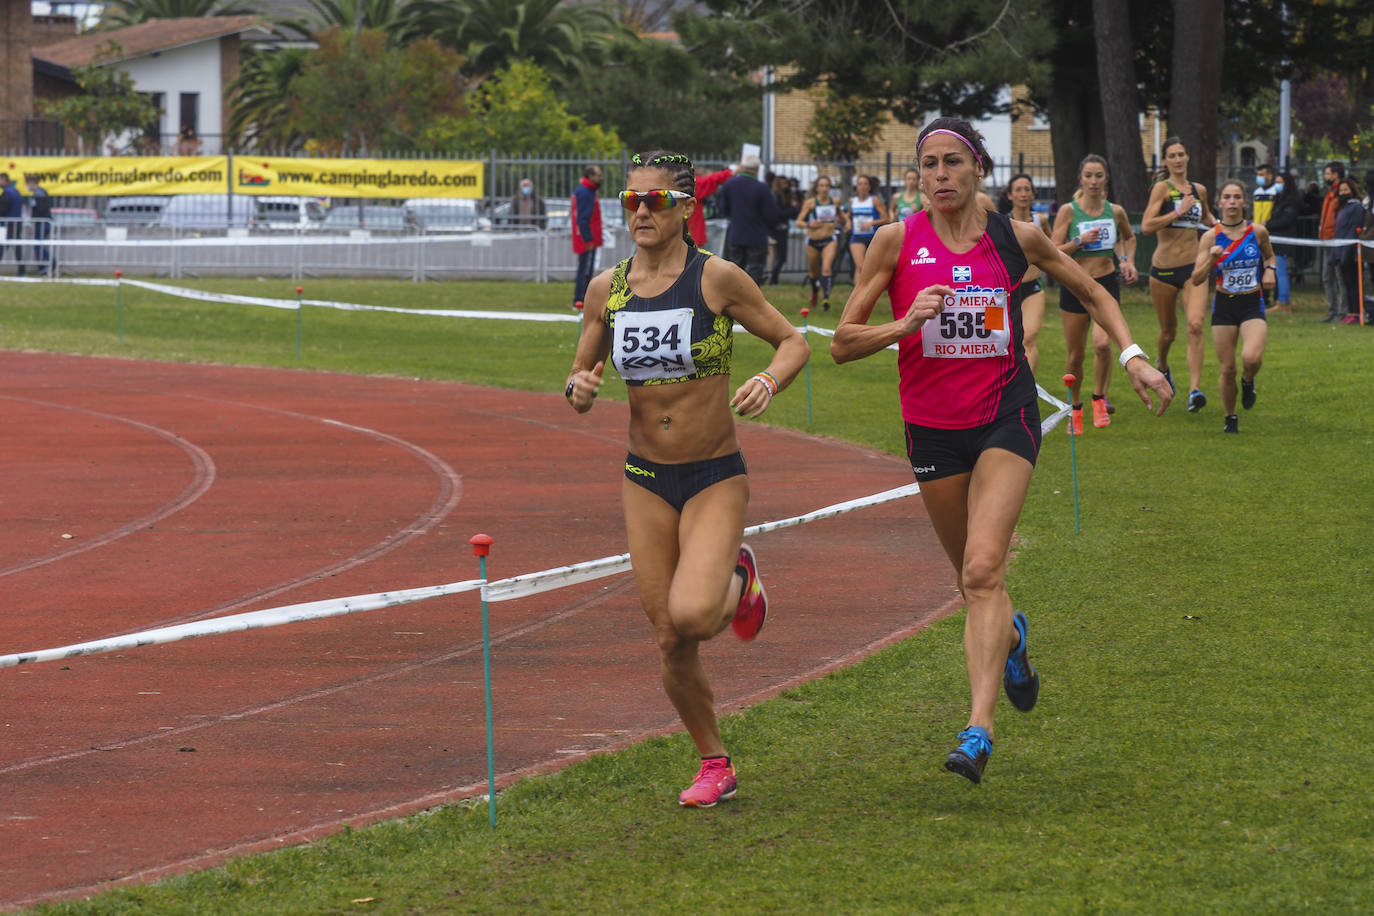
(909,201)
(1097,234)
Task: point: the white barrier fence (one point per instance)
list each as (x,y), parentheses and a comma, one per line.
(533,255)
(537,256)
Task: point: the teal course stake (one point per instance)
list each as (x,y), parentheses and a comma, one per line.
(1073,457)
(481,546)
(119,303)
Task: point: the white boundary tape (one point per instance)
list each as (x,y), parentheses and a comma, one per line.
(501,590)
(253,620)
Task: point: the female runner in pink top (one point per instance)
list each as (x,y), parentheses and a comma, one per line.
(967,393)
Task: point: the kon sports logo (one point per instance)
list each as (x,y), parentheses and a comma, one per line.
(922,257)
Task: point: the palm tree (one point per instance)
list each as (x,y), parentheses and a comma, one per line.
(352,16)
(260,98)
(563,39)
(121,13)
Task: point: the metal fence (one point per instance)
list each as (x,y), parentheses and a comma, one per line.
(238,234)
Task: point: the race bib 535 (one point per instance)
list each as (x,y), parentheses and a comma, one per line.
(963,329)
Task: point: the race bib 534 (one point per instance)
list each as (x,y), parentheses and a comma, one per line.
(651,345)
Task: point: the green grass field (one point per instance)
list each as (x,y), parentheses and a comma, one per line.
(1203,738)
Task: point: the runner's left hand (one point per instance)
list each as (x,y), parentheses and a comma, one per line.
(1147,380)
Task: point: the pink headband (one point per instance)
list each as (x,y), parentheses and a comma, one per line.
(976,157)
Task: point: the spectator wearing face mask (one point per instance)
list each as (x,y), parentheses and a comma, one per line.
(527,208)
(1350,219)
(1266,189)
(1336,305)
(1283,223)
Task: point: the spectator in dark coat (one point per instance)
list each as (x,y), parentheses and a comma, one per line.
(752,210)
(1350,219)
(12,215)
(527,208)
(1283,222)
(40,211)
(788,208)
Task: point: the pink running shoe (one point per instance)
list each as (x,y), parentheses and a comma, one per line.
(715,782)
(753,603)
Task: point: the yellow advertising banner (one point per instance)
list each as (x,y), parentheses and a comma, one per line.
(266,175)
(120,175)
(358,177)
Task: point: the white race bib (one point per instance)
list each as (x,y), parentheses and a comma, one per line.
(1107,240)
(962,330)
(653,345)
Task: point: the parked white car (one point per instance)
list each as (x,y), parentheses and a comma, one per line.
(209,211)
(290,213)
(444,214)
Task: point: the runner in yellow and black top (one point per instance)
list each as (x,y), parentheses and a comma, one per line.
(823,219)
(1096,233)
(664,317)
(1177,213)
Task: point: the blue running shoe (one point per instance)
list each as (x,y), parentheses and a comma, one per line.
(1168,377)
(1196,401)
(969,758)
(1020,680)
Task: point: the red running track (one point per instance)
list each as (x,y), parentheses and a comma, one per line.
(142,494)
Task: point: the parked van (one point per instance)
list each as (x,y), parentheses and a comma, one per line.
(136,209)
(290,213)
(209,211)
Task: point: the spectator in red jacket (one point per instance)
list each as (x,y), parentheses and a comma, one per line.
(586,230)
(1336,306)
(706,186)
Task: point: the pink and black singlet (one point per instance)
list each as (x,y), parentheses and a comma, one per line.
(967,366)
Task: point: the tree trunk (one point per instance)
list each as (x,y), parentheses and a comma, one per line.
(1076,114)
(1195,90)
(1073,107)
(1120,104)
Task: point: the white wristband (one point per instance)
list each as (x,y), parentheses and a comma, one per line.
(1131,353)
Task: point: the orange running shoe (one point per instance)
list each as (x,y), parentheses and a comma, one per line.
(1100,417)
(1076,421)
(715,781)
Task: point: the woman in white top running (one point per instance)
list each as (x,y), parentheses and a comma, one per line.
(1021,193)
(866,213)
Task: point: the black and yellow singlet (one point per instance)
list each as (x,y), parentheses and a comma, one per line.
(671,337)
